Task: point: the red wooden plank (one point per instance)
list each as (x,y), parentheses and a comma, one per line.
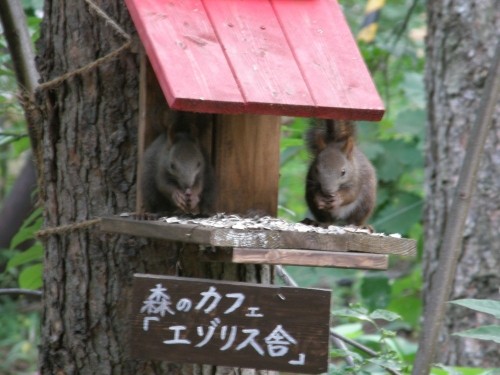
(260,56)
(329,59)
(281,57)
(186,56)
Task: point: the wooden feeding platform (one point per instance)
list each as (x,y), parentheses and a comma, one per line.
(266,240)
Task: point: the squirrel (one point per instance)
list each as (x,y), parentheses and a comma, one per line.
(177,175)
(341,182)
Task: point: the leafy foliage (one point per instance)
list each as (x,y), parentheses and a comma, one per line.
(489,332)
(19,316)
(28,263)
(18,338)
(392,352)
(482,305)
(446,370)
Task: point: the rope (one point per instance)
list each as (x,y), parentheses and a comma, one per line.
(94,64)
(84,69)
(65,229)
(108,20)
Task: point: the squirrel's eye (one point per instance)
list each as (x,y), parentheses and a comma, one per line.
(199,164)
(172,166)
(342,172)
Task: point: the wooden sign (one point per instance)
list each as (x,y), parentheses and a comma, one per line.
(230,324)
(285,57)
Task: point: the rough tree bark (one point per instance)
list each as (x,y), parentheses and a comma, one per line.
(87,169)
(462,37)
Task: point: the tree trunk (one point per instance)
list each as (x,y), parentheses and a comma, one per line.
(461,42)
(88,166)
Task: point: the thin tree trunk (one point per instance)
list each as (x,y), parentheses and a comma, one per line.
(461,42)
(18,205)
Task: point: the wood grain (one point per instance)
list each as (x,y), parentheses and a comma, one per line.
(307,323)
(331,64)
(153,114)
(259,56)
(186,55)
(246,161)
(263,239)
(294,257)
(283,57)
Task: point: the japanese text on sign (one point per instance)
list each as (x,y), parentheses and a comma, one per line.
(233,324)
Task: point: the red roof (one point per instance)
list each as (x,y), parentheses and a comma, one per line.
(281,57)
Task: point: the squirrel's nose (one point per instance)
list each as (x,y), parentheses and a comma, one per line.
(328,194)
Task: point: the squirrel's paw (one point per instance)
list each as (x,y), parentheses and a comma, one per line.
(179,199)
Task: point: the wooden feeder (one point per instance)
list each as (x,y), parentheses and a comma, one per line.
(289,245)
(250,61)
(232,68)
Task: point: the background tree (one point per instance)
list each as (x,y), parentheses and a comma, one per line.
(462,36)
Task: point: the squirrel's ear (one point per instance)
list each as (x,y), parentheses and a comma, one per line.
(319,142)
(330,131)
(171,132)
(347,147)
(193,130)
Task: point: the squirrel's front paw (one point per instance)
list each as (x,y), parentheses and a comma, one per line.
(192,202)
(179,199)
(324,203)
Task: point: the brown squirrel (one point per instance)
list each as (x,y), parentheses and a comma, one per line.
(341,183)
(177,176)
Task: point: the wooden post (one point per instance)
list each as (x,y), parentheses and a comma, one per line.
(246,157)
(153,112)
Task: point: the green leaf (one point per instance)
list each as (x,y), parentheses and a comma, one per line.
(31,277)
(405,210)
(406,297)
(358,313)
(389,364)
(21,144)
(490,333)
(340,353)
(443,370)
(482,305)
(27,232)
(292,142)
(384,315)
(410,122)
(375,292)
(413,87)
(398,156)
(371,150)
(350,330)
(448,370)
(288,154)
(35,252)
